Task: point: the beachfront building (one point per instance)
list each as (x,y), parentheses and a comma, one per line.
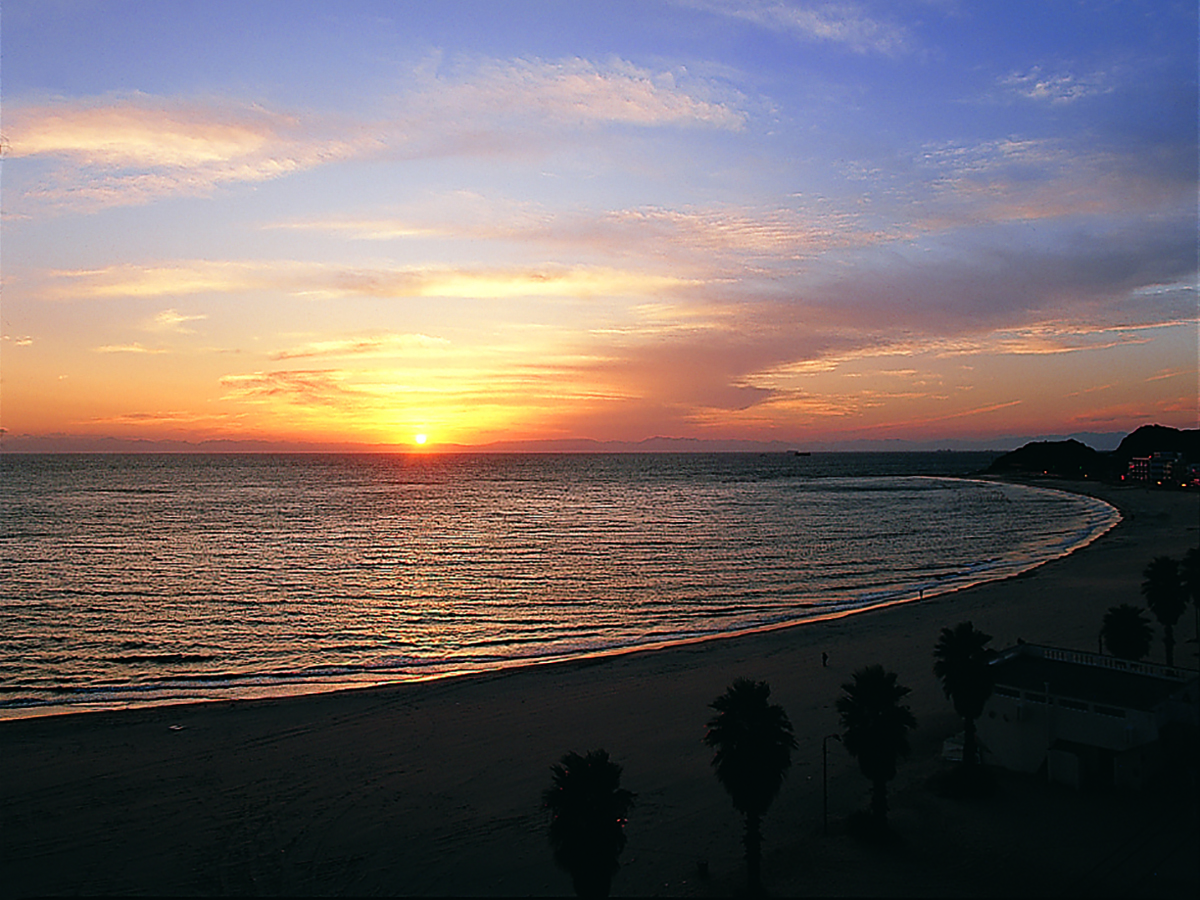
(1159,468)
(1086,719)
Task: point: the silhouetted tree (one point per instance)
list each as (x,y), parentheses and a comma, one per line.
(754,743)
(1126,632)
(587,828)
(876,729)
(1164,595)
(961,660)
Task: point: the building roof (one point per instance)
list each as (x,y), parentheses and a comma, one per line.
(1089,677)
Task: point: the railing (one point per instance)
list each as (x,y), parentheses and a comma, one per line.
(1083,658)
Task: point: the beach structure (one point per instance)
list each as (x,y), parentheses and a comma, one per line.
(1086,719)
(1160,468)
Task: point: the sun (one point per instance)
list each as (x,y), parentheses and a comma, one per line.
(420,438)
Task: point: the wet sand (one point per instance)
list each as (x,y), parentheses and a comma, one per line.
(435,788)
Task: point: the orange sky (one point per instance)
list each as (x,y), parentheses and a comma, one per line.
(794,222)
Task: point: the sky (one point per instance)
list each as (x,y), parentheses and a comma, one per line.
(460,223)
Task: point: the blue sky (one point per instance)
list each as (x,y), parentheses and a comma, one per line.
(480,221)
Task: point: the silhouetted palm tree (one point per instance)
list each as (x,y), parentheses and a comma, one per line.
(589,808)
(754,743)
(1126,632)
(876,729)
(961,662)
(1164,595)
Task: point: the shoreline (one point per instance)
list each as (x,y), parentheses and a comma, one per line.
(434,787)
(856,606)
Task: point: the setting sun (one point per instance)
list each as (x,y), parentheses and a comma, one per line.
(420,438)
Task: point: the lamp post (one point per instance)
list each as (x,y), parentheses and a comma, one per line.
(825,780)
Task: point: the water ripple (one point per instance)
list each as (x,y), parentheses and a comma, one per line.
(161,578)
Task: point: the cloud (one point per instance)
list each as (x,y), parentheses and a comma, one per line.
(730,340)
(1055,88)
(1010,277)
(168,417)
(140,132)
(184,277)
(690,239)
(128,348)
(937,188)
(1015,180)
(366,229)
(134,148)
(324,281)
(571,93)
(321,387)
(172,320)
(1035,339)
(1088,293)
(838,23)
(377,345)
(528,107)
(720,233)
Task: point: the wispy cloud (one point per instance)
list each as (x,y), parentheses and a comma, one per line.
(174,321)
(569,93)
(1054,87)
(1015,179)
(701,233)
(695,238)
(959,187)
(375,345)
(842,23)
(134,148)
(367,229)
(183,277)
(325,281)
(128,348)
(164,417)
(312,386)
(123,149)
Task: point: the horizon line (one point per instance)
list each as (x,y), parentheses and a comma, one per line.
(66,443)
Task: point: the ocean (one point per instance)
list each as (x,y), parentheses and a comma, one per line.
(153,579)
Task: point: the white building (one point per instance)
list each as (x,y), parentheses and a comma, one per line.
(1088,719)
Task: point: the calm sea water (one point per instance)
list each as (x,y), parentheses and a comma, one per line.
(157,579)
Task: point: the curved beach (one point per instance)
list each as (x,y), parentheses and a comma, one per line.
(434,788)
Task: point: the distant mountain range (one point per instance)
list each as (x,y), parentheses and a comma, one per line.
(63,443)
(1074,459)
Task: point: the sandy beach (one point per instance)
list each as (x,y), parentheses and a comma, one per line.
(434,788)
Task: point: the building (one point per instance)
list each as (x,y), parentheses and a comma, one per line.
(1159,468)
(1086,719)
(1139,469)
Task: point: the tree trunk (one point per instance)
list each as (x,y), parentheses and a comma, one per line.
(1169,643)
(970,745)
(753,842)
(591,883)
(879,804)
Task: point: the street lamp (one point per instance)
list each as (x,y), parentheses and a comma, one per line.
(825,780)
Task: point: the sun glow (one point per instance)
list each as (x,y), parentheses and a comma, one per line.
(420,438)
